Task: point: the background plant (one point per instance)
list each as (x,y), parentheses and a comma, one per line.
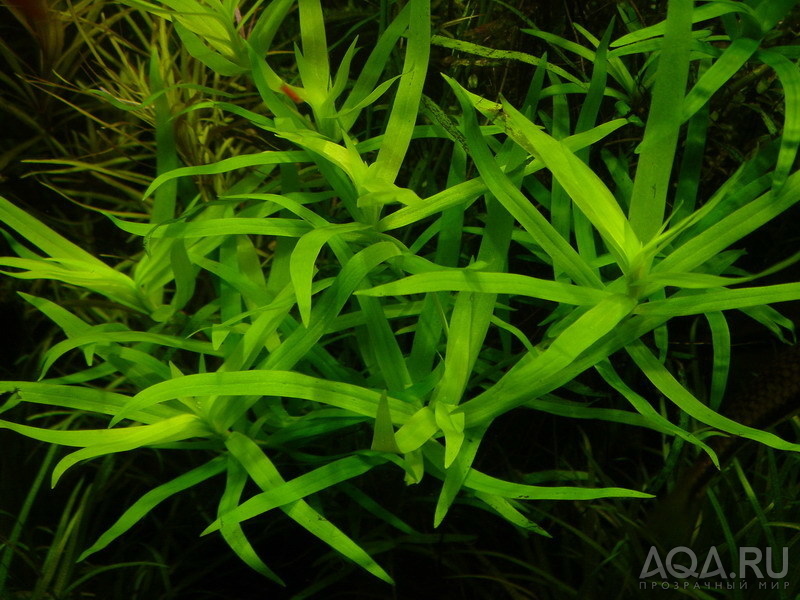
(375,325)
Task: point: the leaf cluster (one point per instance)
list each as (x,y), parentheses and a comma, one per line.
(313,292)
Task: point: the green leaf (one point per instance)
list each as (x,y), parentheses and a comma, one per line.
(702,13)
(174,429)
(303,259)
(350,397)
(383,432)
(669,386)
(231,531)
(534,376)
(405,107)
(480,482)
(98,442)
(789,75)
(41,236)
(229,164)
(266,476)
(731,60)
(85,399)
(657,150)
(210,58)
(716,300)
(488,283)
(298,488)
(417,430)
(142,507)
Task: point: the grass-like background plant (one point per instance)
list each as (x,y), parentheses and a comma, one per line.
(306,306)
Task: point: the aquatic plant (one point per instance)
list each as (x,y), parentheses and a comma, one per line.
(321,307)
